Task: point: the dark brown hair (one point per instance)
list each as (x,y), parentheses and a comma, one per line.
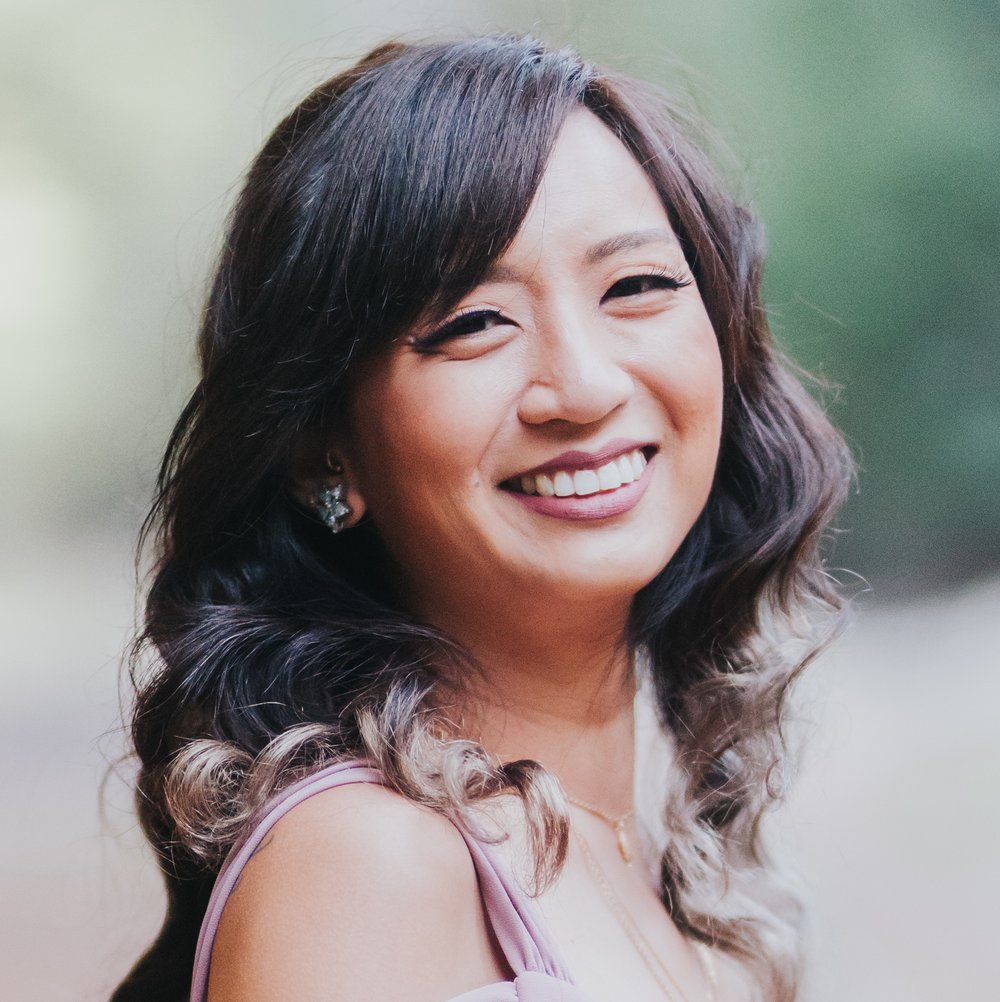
(271,646)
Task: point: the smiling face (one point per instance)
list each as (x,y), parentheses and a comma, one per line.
(554,437)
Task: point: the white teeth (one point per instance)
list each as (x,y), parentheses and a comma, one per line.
(563,483)
(616,473)
(585,482)
(610,476)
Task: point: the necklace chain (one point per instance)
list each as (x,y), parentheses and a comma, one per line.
(618,824)
(656,967)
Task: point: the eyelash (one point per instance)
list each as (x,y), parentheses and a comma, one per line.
(466,322)
(664,279)
(459,325)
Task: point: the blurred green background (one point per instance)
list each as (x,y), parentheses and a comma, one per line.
(871,143)
(868,141)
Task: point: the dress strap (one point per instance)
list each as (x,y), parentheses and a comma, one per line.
(512,914)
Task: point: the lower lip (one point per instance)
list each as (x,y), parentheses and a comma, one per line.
(604,504)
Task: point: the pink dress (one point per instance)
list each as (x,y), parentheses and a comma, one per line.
(540,974)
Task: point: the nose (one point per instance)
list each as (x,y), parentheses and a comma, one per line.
(577,376)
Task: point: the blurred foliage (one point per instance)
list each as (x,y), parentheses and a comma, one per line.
(888,219)
(870,134)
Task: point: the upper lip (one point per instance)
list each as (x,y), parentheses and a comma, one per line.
(578,459)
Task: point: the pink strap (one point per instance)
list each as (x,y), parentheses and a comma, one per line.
(513,915)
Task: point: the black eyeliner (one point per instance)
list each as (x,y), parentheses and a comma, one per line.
(449,329)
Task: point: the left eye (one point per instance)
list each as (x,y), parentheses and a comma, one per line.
(637,285)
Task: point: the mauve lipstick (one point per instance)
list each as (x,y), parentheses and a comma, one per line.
(576,459)
(604,504)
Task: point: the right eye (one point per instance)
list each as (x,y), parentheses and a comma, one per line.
(470,322)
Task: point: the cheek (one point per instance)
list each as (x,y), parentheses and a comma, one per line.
(687,369)
(422,431)
(701,394)
(690,392)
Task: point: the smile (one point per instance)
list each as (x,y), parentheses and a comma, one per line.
(576,487)
(582,483)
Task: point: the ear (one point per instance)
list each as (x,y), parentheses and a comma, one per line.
(316,463)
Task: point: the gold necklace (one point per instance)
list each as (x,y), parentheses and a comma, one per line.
(618,824)
(656,967)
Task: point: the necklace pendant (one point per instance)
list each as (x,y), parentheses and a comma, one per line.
(624,849)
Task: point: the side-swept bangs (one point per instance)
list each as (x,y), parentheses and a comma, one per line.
(390,190)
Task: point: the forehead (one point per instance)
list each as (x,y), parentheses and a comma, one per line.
(595,193)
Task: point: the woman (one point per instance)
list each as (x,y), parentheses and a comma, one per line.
(494,494)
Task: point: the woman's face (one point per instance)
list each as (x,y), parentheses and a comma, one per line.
(555,437)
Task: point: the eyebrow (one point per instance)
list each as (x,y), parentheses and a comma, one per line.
(503,274)
(627,241)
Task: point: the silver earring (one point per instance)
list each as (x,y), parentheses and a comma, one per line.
(331,507)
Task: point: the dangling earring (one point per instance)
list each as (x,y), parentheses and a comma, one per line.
(331,507)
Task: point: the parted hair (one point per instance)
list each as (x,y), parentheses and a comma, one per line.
(271,647)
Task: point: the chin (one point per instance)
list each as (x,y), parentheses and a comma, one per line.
(598,580)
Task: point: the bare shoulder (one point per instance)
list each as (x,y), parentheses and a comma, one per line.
(357,893)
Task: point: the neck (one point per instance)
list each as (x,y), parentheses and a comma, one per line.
(556,687)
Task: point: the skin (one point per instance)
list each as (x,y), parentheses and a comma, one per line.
(582,341)
(568,360)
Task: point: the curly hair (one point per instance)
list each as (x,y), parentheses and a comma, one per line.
(271,646)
